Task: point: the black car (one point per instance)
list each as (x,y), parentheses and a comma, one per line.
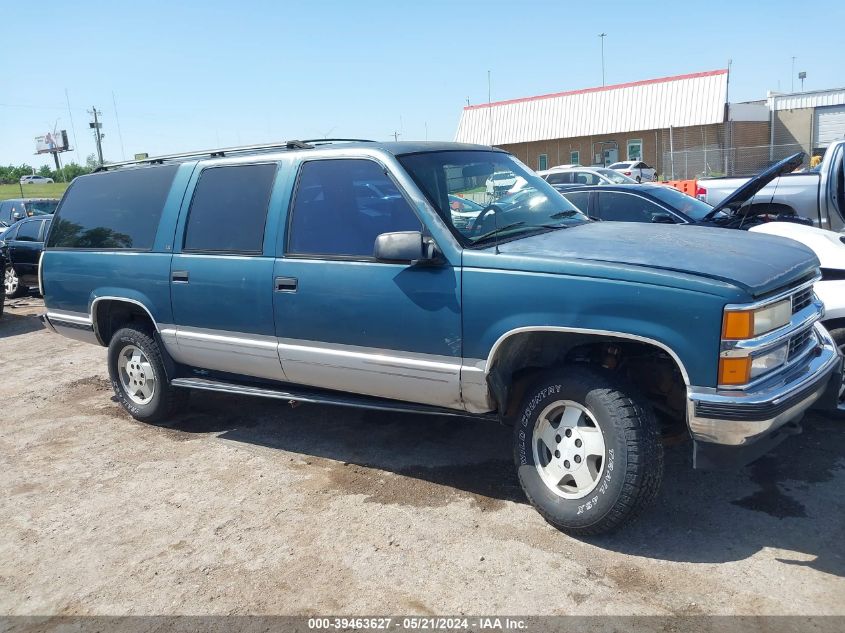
(16,209)
(663,204)
(2,294)
(20,248)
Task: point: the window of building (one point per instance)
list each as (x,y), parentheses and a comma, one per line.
(115,209)
(342,205)
(575,158)
(229,209)
(635,149)
(543,162)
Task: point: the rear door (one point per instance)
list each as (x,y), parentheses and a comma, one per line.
(222,271)
(348,322)
(26,247)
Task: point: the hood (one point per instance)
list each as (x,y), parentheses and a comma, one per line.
(747,191)
(828,246)
(757,263)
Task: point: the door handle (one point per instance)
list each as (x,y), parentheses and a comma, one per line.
(180,276)
(286,284)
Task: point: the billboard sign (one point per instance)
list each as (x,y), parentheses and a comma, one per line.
(51,142)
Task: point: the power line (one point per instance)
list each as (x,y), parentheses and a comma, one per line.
(72,129)
(117,120)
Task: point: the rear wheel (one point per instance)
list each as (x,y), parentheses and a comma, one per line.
(12,285)
(587,451)
(139,379)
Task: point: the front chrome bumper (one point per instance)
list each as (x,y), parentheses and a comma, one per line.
(741,418)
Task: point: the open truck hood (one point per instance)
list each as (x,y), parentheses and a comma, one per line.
(747,191)
(756,263)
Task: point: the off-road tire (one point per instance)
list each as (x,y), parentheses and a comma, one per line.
(633,467)
(838,336)
(166,400)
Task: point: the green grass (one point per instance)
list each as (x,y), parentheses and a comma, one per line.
(479,189)
(33,191)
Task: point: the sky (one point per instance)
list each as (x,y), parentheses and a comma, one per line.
(179,76)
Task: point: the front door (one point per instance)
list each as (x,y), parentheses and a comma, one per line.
(222,274)
(348,322)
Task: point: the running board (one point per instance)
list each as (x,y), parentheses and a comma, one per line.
(318,397)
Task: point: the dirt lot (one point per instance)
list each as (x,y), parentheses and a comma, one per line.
(249,506)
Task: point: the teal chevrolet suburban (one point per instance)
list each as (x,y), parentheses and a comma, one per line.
(340,272)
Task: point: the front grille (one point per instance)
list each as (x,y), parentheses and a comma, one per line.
(802,299)
(799,344)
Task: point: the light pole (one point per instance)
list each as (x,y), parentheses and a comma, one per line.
(792,76)
(602,36)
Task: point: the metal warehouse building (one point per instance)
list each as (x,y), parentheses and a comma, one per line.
(683,125)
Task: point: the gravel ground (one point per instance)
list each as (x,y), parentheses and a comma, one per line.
(250,506)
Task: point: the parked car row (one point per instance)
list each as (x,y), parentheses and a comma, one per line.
(818,194)
(371,280)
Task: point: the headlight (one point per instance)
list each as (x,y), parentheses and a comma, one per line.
(743,369)
(744,324)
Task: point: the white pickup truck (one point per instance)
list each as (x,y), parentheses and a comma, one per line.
(818,195)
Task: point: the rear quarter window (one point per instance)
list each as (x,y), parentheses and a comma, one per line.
(113,210)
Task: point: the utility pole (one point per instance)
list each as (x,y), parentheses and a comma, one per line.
(602,36)
(98,137)
(396,135)
(792,76)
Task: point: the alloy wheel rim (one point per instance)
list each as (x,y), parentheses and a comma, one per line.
(137,376)
(10,281)
(569,449)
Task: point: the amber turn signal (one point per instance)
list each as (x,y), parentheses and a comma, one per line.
(734,371)
(738,325)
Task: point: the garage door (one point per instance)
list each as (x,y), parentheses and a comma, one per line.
(829,125)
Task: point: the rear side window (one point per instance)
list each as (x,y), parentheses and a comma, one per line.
(28,231)
(580,199)
(229,209)
(559,178)
(114,210)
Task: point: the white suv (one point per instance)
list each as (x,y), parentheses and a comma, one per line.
(636,169)
(35,180)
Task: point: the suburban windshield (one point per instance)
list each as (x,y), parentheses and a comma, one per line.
(693,207)
(513,200)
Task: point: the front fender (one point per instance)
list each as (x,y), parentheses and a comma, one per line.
(684,323)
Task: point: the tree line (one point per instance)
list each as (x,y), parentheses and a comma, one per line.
(11,174)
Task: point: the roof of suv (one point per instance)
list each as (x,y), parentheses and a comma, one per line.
(395,148)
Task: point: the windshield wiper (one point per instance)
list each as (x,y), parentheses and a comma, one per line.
(496,231)
(564,214)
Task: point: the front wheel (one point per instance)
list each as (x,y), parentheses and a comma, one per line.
(139,379)
(587,451)
(12,285)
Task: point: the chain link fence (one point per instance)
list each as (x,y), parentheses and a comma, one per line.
(731,149)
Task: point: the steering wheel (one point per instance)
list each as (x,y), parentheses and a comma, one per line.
(479,220)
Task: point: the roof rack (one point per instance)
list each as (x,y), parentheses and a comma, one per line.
(228,151)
